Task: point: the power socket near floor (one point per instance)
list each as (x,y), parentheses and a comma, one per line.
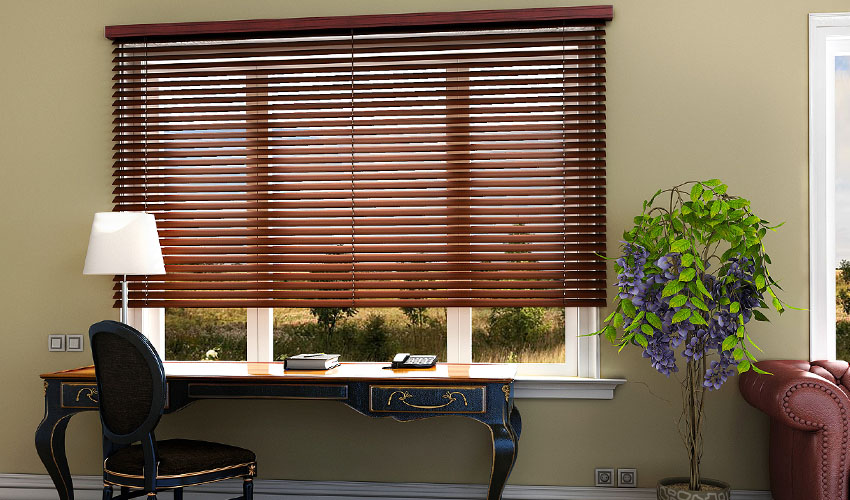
(625,478)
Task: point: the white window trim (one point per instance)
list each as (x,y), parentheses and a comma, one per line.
(577,378)
(829,35)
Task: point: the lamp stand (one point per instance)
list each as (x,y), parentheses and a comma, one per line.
(124,310)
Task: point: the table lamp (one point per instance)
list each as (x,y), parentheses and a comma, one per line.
(123,243)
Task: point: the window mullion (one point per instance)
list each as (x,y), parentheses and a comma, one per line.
(260,334)
(459,334)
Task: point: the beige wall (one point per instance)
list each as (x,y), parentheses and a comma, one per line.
(696,90)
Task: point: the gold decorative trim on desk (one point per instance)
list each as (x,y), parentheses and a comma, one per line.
(79,395)
(427,399)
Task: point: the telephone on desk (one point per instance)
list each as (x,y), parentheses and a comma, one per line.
(405,360)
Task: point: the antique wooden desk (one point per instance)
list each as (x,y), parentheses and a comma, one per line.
(483,392)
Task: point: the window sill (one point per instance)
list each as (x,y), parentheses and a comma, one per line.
(554,387)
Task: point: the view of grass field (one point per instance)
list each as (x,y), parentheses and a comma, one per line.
(524,335)
(842,317)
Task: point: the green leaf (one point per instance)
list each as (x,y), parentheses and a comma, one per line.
(641,340)
(738,353)
(680,246)
(715,208)
(687,274)
(753,343)
(729,342)
(645,328)
(629,308)
(610,316)
(700,265)
(654,320)
(751,220)
(696,191)
(681,315)
(618,320)
(778,305)
(697,319)
(760,281)
(699,303)
(712,182)
(702,290)
(734,307)
(678,301)
(672,288)
(687,259)
(759,370)
(707,195)
(744,366)
(610,333)
(759,316)
(721,189)
(738,203)
(686,209)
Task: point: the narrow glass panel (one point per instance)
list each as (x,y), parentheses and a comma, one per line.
(360,334)
(842,206)
(518,335)
(193,334)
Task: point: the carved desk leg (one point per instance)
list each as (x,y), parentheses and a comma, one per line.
(50,439)
(505,444)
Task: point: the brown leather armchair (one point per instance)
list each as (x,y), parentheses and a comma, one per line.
(808,405)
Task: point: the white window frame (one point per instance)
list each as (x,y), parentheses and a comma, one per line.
(578,377)
(829,36)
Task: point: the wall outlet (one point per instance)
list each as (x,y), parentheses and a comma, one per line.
(74,343)
(604,477)
(55,343)
(627,478)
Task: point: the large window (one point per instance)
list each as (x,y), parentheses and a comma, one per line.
(452,164)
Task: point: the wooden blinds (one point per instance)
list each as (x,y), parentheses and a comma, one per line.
(418,166)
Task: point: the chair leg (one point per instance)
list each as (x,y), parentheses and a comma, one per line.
(248,488)
(125,492)
(107,492)
(178,494)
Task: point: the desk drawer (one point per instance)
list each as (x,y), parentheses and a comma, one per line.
(79,395)
(431,399)
(267,391)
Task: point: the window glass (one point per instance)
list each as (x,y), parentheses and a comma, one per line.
(518,335)
(360,334)
(193,334)
(842,206)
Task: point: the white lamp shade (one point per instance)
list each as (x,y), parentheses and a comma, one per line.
(124,243)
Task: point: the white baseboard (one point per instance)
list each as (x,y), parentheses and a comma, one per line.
(40,487)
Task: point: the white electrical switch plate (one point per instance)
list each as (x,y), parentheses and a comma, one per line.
(75,343)
(55,343)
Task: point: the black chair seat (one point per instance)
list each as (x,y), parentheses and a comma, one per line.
(180,457)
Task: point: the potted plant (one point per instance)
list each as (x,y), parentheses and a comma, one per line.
(692,274)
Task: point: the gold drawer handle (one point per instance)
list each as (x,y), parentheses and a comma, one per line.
(90,393)
(404,396)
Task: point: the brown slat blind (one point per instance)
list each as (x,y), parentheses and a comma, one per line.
(422,167)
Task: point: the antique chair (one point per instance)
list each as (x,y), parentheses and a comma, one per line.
(132,392)
(808,406)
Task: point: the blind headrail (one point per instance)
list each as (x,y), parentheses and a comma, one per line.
(589,13)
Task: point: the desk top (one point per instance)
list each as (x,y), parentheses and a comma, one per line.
(243,370)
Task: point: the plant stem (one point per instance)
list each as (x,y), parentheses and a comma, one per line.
(693,424)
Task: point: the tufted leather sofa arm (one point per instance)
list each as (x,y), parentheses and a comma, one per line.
(808,406)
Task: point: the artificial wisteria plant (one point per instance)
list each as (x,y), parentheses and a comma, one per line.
(692,274)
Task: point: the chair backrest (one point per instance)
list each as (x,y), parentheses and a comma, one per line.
(130,381)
